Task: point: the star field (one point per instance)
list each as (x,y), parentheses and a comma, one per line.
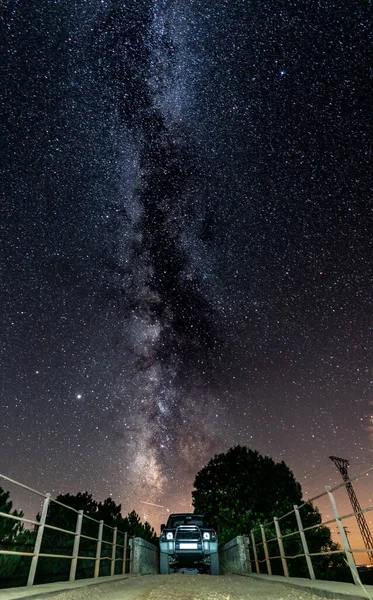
(186,242)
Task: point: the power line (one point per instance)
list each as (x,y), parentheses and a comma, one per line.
(321,473)
(317,469)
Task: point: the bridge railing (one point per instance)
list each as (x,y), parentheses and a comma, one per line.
(269,539)
(106,549)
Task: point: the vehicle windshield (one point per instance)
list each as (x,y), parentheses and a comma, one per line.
(186,520)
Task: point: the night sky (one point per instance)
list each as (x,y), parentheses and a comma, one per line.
(185,242)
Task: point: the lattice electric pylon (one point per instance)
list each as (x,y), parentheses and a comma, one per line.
(342,465)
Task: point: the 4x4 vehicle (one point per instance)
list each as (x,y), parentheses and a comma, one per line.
(188,541)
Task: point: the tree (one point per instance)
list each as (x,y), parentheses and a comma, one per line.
(13,537)
(9,528)
(239,489)
(107,511)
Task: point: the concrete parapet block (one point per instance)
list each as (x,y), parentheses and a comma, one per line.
(234,558)
(146,557)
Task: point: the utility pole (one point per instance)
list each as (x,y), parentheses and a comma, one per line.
(342,466)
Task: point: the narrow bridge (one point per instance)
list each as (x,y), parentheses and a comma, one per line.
(119,566)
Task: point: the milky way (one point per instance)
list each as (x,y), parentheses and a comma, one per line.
(186,226)
(169,326)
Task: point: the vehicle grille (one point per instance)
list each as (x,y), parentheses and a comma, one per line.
(188,534)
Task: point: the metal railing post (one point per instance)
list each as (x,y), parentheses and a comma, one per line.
(344,538)
(281,547)
(38,541)
(98,549)
(304,543)
(114,551)
(132,555)
(255,552)
(269,569)
(125,545)
(74,560)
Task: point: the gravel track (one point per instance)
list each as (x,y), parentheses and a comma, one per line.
(187,587)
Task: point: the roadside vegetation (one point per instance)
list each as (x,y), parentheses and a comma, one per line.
(15,537)
(241,488)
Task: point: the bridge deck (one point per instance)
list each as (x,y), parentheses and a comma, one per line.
(189,587)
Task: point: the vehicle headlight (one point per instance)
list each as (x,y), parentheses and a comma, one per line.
(170,535)
(206,535)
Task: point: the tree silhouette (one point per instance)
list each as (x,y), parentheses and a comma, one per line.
(239,489)
(13,537)
(56,542)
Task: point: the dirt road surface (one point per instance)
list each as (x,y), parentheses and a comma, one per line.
(186,587)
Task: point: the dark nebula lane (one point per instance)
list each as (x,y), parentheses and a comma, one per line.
(186,241)
(171,325)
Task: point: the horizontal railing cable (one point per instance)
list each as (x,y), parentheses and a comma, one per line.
(87,537)
(59,529)
(22,485)
(16,518)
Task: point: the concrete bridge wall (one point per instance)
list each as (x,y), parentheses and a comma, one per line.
(145,557)
(234,557)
